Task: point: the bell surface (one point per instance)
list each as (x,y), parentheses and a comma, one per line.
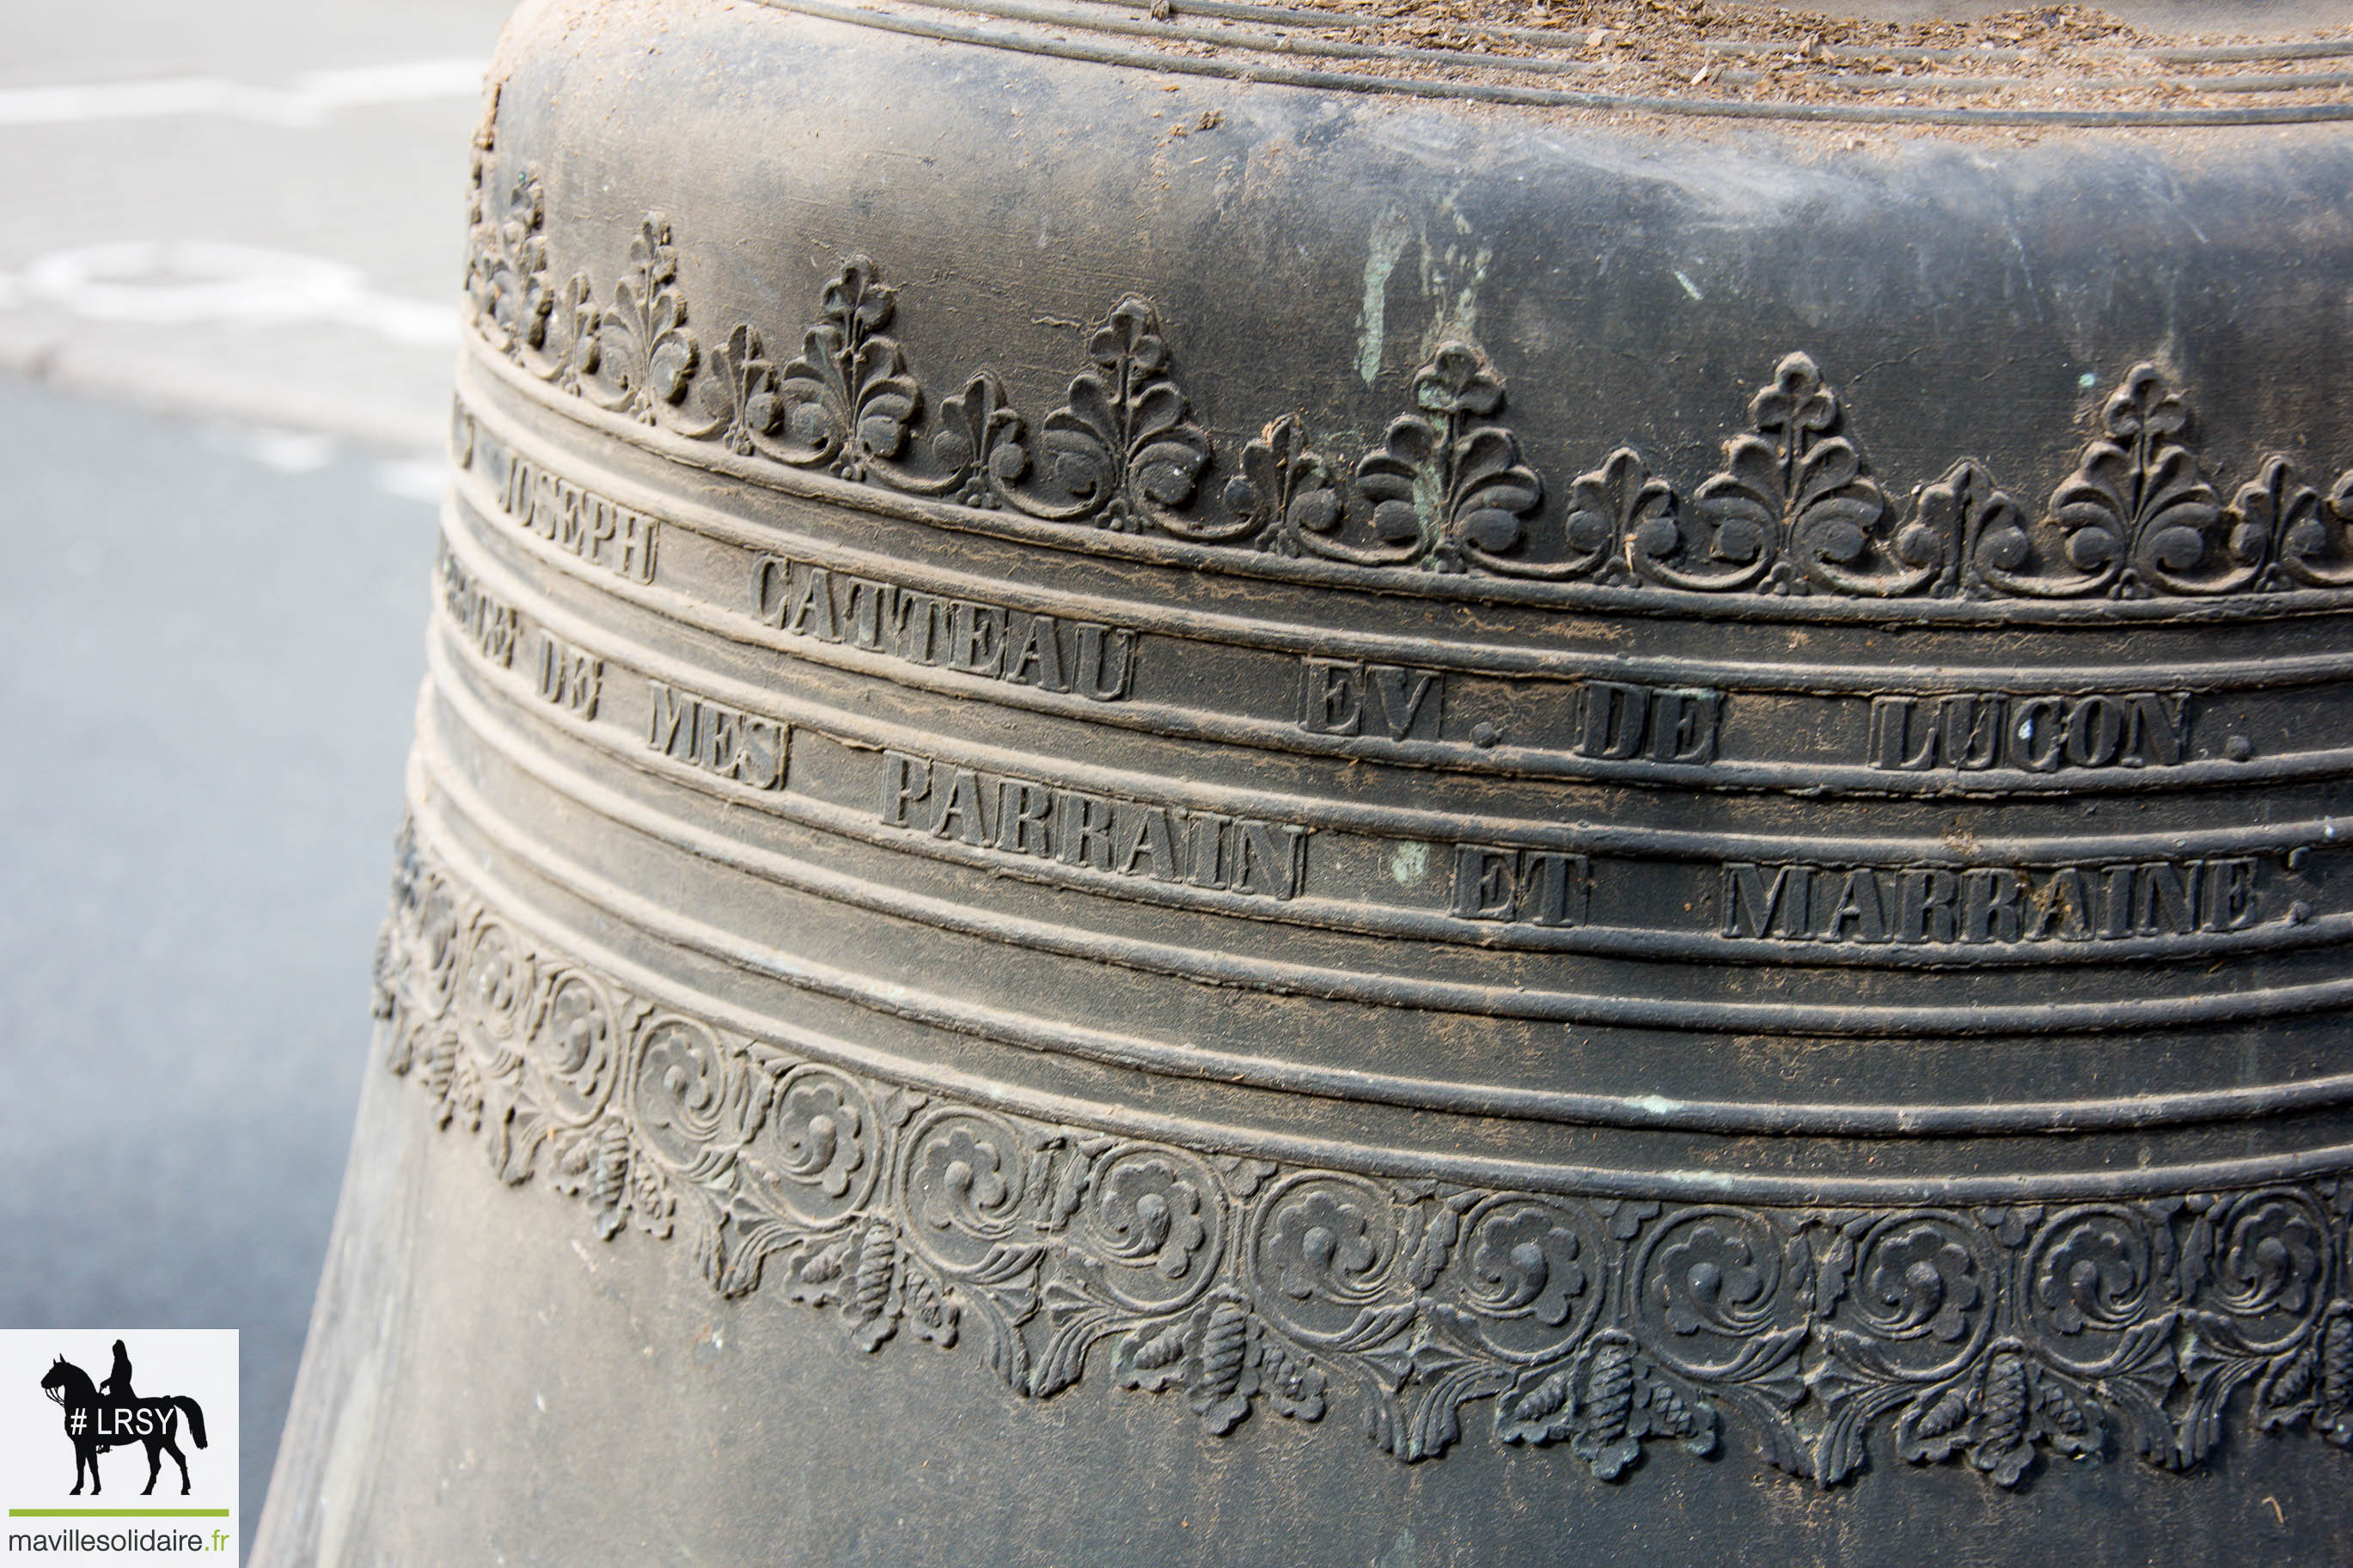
(1230,784)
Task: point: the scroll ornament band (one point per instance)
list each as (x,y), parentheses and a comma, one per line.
(1989,1336)
(1794,510)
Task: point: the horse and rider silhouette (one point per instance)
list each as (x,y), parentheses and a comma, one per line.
(112,1417)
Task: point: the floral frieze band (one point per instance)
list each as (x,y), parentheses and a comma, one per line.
(1794,510)
(1985,1335)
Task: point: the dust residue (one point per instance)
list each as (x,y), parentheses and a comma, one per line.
(2049,57)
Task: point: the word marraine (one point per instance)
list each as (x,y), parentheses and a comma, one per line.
(1988,903)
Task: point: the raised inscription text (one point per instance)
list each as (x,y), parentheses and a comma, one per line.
(597,529)
(1017,646)
(1099,832)
(1974,731)
(1536,887)
(721,740)
(1988,903)
(489,624)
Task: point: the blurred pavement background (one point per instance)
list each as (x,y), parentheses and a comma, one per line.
(233,238)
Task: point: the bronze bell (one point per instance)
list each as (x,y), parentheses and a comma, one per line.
(1589,778)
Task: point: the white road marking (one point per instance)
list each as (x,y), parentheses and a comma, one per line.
(307,102)
(285,451)
(289,451)
(412,478)
(190,282)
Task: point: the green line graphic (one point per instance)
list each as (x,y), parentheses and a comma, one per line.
(118,1513)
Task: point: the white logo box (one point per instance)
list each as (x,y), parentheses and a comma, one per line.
(120,1522)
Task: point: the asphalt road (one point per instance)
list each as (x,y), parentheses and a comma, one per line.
(246,216)
(248,208)
(209,668)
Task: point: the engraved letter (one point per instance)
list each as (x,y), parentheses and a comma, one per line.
(1332,696)
(1682,726)
(1972,729)
(602,526)
(912,631)
(1890,736)
(568,677)
(957,809)
(2037,732)
(1022,812)
(2115,901)
(2160,733)
(1038,660)
(1106,657)
(2164,899)
(976,637)
(1754,907)
(772,577)
(2096,731)
(810,611)
(1610,720)
(565,528)
(1553,887)
(668,710)
(870,603)
(1923,903)
(546,508)
(515,497)
(2062,902)
(636,561)
(761,762)
(1853,897)
(906,780)
(1208,850)
(2228,902)
(1083,828)
(1409,700)
(1484,883)
(1270,859)
(720,728)
(1142,834)
(1990,903)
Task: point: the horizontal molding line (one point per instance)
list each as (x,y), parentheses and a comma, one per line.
(1739,676)
(1387,822)
(1091,17)
(1868,82)
(1538,97)
(1625,945)
(2121,54)
(2168,53)
(1169,720)
(1649,603)
(500,895)
(1094,19)
(1386,990)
